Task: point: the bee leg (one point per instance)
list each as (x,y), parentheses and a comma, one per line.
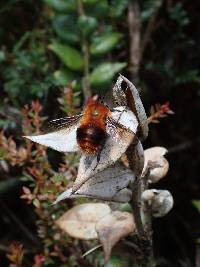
(99,153)
(98,159)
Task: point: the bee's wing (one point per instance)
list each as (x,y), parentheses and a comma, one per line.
(61,134)
(121,120)
(114,129)
(62,123)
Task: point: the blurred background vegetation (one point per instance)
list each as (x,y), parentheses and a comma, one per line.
(54,54)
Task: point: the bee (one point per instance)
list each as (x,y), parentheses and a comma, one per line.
(91,134)
(90,130)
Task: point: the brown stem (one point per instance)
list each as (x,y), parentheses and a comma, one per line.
(86,81)
(136,51)
(86,58)
(144,231)
(134,39)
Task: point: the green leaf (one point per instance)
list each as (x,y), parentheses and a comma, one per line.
(68,55)
(63,77)
(21,42)
(90,2)
(104,73)
(196,203)
(27,178)
(125,207)
(87,24)
(104,43)
(36,203)
(118,7)
(99,10)
(114,261)
(2,56)
(66,29)
(62,5)
(149,9)
(179,14)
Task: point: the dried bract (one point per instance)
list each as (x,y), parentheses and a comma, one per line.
(129,97)
(110,184)
(79,222)
(160,201)
(156,162)
(113,227)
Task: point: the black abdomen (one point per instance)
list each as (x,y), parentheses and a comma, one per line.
(90,138)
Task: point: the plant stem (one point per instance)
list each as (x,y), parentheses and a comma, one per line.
(86,81)
(134,26)
(144,231)
(86,58)
(135,152)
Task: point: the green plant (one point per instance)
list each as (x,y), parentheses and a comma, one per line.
(27,73)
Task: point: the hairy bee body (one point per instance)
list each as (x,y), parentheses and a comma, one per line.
(91,134)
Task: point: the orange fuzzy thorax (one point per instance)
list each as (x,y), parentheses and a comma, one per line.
(95,114)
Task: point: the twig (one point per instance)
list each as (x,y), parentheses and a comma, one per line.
(159,111)
(134,26)
(198,256)
(86,57)
(91,250)
(144,231)
(17,222)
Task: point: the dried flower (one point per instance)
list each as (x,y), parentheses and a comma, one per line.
(100,134)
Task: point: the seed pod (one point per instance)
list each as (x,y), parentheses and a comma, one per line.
(160,201)
(156,162)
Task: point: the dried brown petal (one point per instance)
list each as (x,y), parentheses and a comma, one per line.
(130,97)
(109,184)
(160,201)
(79,222)
(113,227)
(159,166)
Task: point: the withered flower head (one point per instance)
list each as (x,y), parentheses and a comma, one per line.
(102,135)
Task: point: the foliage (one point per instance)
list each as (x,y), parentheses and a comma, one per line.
(26,75)
(101,39)
(196,203)
(44,186)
